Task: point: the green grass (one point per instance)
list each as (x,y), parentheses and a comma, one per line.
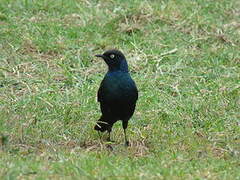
(184,56)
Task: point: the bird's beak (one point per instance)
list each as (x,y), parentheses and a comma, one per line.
(99,55)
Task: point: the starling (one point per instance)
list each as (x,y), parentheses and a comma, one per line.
(117,93)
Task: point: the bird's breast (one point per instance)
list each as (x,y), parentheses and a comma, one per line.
(118,87)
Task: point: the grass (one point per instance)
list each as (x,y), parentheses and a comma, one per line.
(184,56)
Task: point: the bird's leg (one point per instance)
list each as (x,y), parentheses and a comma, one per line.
(109,136)
(125,124)
(109,129)
(126,140)
(108,145)
(100,137)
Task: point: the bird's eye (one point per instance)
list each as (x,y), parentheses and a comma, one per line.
(112,56)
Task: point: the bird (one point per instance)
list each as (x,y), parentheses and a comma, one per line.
(117,93)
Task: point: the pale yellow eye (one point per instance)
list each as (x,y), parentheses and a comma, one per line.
(112,56)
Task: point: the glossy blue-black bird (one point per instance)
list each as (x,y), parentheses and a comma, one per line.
(117,93)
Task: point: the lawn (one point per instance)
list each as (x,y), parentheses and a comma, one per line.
(183,55)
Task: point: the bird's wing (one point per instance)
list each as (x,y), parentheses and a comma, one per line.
(107,89)
(100,92)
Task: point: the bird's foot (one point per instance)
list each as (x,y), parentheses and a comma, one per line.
(109,140)
(109,147)
(127,143)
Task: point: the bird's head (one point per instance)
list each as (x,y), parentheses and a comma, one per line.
(115,60)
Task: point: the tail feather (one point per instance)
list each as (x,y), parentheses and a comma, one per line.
(101,125)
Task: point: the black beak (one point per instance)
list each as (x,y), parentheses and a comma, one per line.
(99,55)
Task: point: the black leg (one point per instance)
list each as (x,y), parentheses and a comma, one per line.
(109,130)
(109,136)
(100,137)
(126,140)
(125,124)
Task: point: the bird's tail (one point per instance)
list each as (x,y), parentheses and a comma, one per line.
(101,125)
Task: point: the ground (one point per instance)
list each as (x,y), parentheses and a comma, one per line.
(183,55)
